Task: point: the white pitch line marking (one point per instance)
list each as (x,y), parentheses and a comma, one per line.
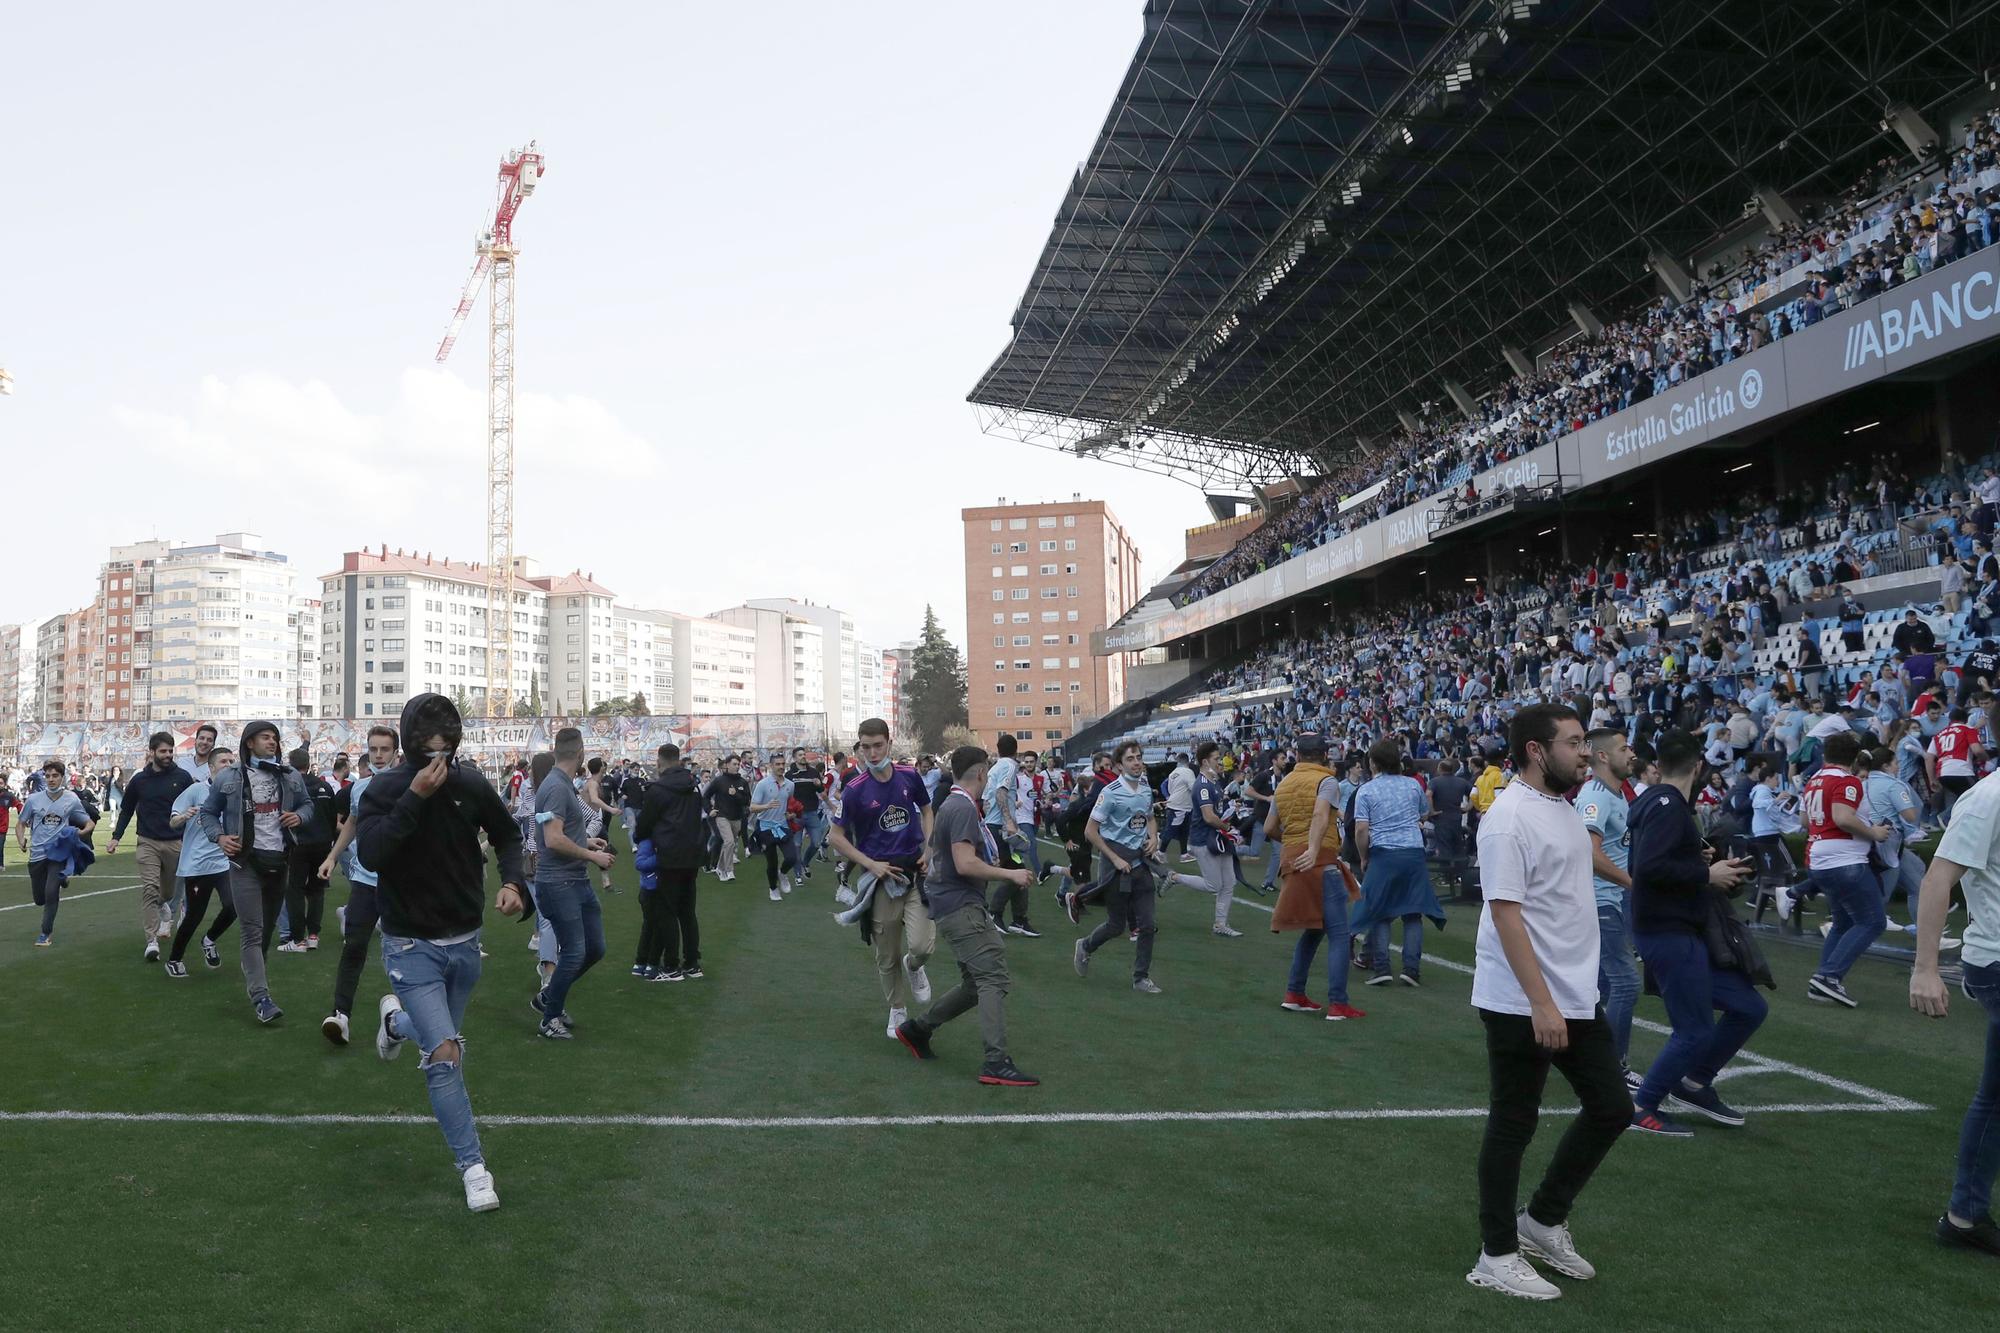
(69,898)
(859,1121)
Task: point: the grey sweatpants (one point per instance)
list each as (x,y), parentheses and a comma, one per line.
(256,894)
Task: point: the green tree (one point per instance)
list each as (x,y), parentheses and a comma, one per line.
(534,695)
(638,707)
(936,697)
(461,701)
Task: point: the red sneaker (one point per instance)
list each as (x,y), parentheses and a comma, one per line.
(1336,1012)
(1299,1004)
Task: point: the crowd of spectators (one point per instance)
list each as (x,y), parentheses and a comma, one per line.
(1889,228)
(1693,629)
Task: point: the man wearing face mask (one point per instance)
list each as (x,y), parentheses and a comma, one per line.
(884,828)
(252,813)
(419,832)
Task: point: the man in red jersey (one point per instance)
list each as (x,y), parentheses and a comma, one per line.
(1837,847)
(1952,762)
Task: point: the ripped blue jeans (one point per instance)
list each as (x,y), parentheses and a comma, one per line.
(434,981)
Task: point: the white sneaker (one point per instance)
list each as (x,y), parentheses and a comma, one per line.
(334,1028)
(386,1046)
(897,1017)
(291,947)
(1784,898)
(480,1196)
(776,896)
(1513,1275)
(920,982)
(1226,932)
(1552,1246)
(152,951)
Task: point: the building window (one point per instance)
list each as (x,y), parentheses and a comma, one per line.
(996,571)
(1000,711)
(996,548)
(1022,687)
(1075,687)
(1047,521)
(1072,615)
(1000,689)
(1020,617)
(1000,665)
(1051,664)
(1069,543)
(996,525)
(999,641)
(1049,545)
(1047,570)
(999,594)
(1024,712)
(1017,548)
(1024,664)
(1069,520)
(999,617)
(1052,710)
(1017,524)
(1019,594)
(1050,617)
(1015,571)
(1069,569)
(1075,662)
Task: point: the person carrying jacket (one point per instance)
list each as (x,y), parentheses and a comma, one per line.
(419,832)
(1674,891)
(1304,821)
(672,816)
(884,829)
(149,795)
(253,812)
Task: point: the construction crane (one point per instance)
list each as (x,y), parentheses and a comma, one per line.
(494,259)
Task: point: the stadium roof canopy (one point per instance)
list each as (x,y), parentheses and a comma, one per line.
(1301,216)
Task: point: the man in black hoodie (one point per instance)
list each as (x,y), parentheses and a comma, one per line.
(1674,887)
(419,831)
(671,815)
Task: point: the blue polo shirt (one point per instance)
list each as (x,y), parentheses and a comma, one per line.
(1392,805)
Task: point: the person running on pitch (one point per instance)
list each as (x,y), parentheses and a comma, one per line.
(44,815)
(1606,813)
(1673,901)
(203,869)
(1123,831)
(1534,983)
(563,893)
(1210,837)
(1969,858)
(358,917)
(1000,801)
(431,888)
(962,860)
(885,829)
(251,813)
(150,795)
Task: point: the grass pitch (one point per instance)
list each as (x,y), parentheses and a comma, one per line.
(692,1209)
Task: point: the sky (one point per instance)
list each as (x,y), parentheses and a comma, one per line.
(775,246)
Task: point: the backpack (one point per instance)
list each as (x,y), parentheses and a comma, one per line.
(324,804)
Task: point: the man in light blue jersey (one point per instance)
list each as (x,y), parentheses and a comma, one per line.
(1001,812)
(1123,831)
(1605,812)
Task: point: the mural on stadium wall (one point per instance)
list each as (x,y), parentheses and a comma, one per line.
(497,743)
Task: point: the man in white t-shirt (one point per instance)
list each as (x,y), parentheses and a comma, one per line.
(1535,987)
(1968,856)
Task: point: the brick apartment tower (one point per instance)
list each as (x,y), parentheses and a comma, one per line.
(1038,579)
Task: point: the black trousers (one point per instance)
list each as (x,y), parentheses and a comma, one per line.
(1004,894)
(669,936)
(1519,1070)
(200,888)
(305,891)
(360,917)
